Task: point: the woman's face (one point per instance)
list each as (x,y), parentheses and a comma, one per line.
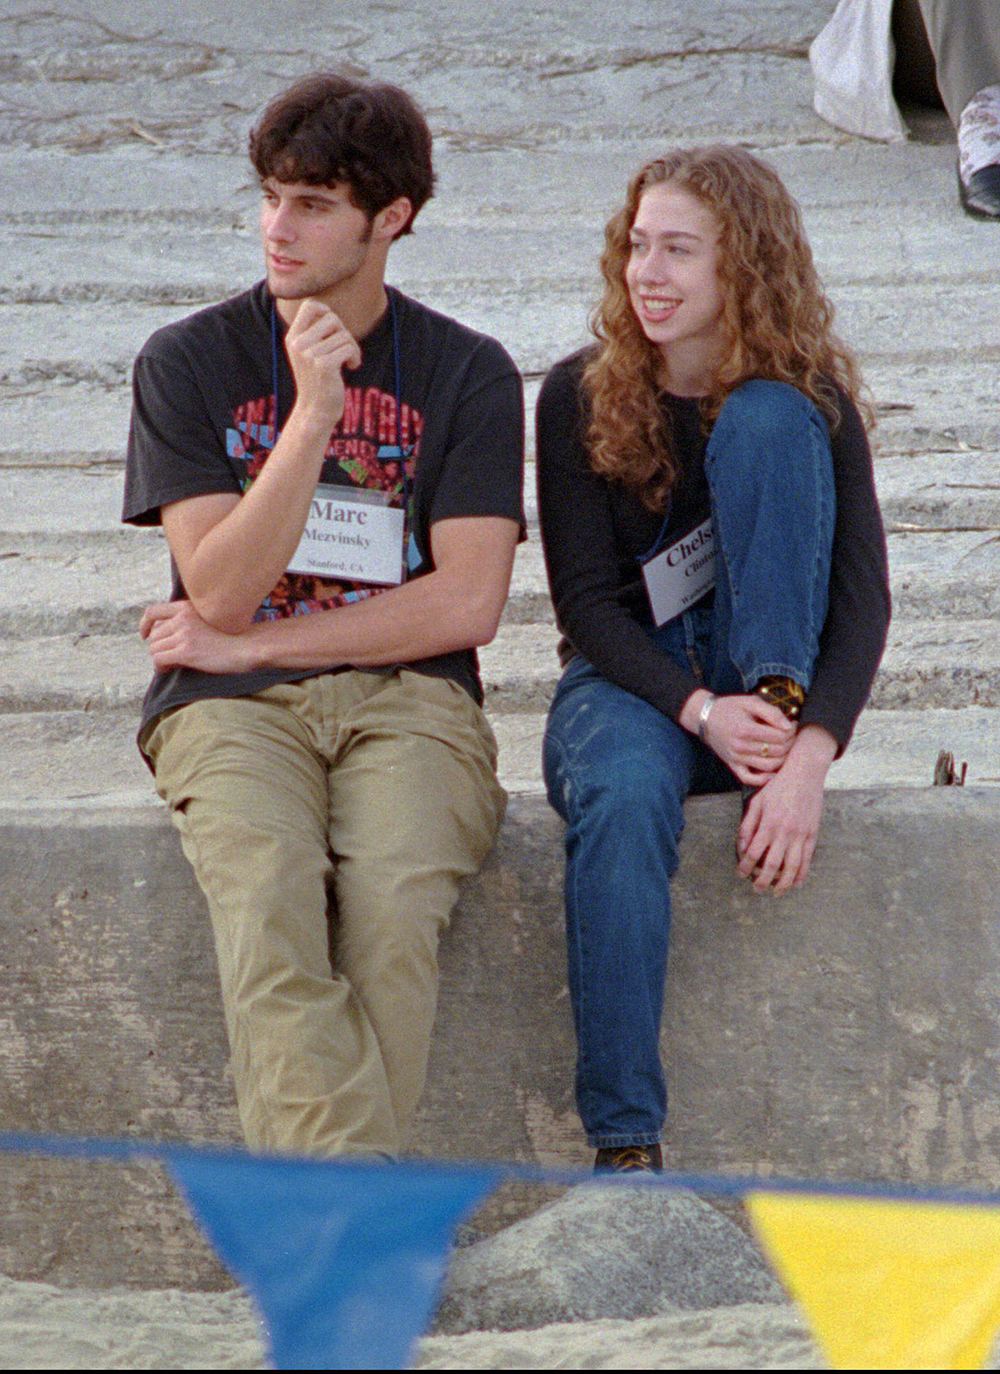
(673,283)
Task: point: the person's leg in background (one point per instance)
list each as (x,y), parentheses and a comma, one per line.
(964,36)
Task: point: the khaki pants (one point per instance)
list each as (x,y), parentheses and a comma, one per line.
(381,788)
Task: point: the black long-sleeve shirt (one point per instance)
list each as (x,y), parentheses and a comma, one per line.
(594,530)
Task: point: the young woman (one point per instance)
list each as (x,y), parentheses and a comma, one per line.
(717,414)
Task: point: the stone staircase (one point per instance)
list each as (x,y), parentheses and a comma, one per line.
(916,291)
(74,670)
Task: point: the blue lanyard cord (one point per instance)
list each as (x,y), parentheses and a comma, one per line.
(274,371)
(657,543)
(397,373)
(719,1185)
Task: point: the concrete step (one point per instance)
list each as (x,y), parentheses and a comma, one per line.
(940,491)
(890,748)
(81,489)
(935,573)
(51,758)
(168,192)
(931,405)
(98,581)
(915,407)
(848,1031)
(187,253)
(947,573)
(929,663)
(48,348)
(78,757)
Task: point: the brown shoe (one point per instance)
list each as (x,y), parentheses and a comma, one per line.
(623,1159)
(782,692)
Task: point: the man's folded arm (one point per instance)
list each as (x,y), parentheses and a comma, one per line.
(231,550)
(456,606)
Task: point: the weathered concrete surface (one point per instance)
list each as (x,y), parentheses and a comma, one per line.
(604,1252)
(866,1046)
(128,202)
(88,758)
(928,663)
(849,1031)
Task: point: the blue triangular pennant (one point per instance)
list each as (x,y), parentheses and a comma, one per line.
(344,1259)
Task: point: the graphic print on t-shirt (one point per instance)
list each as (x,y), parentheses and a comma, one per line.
(362,452)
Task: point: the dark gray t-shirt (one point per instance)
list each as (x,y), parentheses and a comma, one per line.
(203,421)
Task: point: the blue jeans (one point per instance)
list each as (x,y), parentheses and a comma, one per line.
(617,770)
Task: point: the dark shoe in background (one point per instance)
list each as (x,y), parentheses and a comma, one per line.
(980,195)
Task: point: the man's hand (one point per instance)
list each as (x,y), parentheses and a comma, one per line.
(778,835)
(178,638)
(231,550)
(319,348)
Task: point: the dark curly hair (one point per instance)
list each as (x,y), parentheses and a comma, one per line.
(327,129)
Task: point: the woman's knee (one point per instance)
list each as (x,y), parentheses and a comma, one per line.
(762,418)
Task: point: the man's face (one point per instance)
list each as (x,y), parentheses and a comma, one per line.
(314,238)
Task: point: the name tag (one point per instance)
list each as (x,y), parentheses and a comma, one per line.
(681,575)
(352,533)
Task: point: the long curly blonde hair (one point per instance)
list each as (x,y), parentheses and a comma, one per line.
(776,318)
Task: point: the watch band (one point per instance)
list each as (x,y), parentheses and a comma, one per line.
(703,716)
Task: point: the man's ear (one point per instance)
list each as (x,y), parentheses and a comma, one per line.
(393,218)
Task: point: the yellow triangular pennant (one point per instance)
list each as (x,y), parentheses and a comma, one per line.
(887,1285)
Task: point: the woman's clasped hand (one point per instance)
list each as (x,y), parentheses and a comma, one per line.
(777,837)
(750,736)
(786,766)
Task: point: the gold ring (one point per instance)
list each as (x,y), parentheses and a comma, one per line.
(765,751)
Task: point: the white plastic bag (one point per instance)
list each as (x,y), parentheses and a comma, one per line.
(852,61)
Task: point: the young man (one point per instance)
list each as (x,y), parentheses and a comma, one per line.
(338,472)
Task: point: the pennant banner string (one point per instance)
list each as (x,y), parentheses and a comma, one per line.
(719,1185)
(344,1263)
(344,1258)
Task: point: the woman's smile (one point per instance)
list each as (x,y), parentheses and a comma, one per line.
(673,283)
(657,309)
